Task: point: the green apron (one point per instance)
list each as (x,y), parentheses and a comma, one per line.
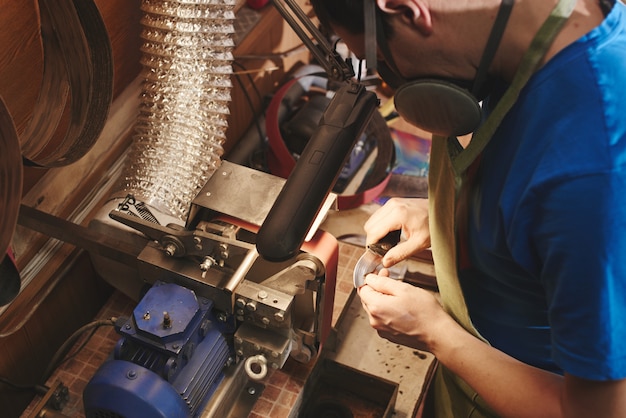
(453,398)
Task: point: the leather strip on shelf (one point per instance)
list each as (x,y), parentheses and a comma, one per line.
(77,84)
(10,194)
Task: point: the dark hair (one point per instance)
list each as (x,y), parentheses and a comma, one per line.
(347,14)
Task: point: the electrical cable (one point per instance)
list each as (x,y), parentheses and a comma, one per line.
(60,356)
(246,71)
(297,49)
(255,118)
(40,389)
(79,348)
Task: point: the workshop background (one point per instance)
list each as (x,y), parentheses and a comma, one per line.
(60,289)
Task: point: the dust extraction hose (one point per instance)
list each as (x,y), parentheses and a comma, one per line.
(180,129)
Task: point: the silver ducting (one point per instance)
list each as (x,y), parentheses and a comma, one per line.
(182,121)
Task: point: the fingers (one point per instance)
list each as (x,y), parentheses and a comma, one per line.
(405,249)
(407,215)
(372,295)
(382,283)
(390,217)
(402,313)
(379,224)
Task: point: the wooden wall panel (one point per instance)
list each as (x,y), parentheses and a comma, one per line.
(21,52)
(75,293)
(20,58)
(270,40)
(70,292)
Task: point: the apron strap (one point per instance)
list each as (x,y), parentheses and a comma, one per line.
(448,164)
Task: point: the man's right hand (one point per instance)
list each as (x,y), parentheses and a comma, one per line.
(409,215)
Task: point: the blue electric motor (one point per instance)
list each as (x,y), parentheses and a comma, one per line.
(168,363)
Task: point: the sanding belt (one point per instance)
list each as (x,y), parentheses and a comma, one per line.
(281,162)
(72,107)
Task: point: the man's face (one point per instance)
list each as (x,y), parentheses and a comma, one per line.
(355,43)
(405,50)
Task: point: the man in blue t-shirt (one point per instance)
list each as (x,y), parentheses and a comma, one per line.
(543,242)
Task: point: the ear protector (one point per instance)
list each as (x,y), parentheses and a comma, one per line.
(438,106)
(447,107)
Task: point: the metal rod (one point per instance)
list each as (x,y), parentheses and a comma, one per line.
(242,270)
(335,66)
(77,235)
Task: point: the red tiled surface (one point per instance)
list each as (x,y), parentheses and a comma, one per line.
(281,387)
(281,391)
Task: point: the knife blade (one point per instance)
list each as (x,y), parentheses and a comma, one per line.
(371,260)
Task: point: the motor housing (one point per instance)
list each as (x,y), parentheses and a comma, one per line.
(168,363)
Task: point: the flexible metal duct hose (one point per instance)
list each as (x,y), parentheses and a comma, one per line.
(180,130)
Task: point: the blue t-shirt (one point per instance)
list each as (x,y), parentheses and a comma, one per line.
(547,226)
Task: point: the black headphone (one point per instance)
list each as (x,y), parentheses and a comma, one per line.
(447,107)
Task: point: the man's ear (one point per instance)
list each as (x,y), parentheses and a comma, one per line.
(416,12)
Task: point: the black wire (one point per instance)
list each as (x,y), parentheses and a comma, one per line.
(255,117)
(59,356)
(41,389)
(273,57)
(249,99)
(80,347)
(250,79)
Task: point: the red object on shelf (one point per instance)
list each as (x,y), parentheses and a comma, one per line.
(256,4)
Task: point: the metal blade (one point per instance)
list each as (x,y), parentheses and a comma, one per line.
(368,263)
